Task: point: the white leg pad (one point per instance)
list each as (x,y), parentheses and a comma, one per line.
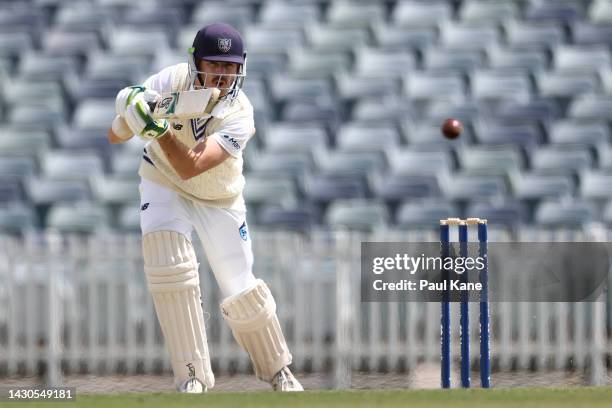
(251,314)
(172,275)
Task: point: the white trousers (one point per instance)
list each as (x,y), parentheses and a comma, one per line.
(223,233)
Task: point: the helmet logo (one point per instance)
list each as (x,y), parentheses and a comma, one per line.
(224,44)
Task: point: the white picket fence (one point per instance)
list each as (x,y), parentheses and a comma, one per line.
(80,304)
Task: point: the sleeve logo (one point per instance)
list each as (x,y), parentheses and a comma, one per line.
(243,231)
(233,141)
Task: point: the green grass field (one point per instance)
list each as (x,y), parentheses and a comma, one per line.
(456,398)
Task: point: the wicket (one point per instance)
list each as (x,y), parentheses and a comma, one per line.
(445,319)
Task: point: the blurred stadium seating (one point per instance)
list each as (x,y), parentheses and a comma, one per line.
(348,98)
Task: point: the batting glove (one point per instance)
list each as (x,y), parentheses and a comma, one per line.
(125,97)
(138,118)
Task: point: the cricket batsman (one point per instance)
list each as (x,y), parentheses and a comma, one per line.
(191,178)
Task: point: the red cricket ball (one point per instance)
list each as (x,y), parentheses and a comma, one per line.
(452,128)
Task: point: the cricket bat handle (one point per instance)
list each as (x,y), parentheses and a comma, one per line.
(152,105)
(156,114)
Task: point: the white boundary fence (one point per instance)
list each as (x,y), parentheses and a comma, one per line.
(80,304)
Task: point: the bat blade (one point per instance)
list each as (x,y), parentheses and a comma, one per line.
(185,105)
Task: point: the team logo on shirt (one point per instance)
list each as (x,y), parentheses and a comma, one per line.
(144,206)
(243,231)
(224,44)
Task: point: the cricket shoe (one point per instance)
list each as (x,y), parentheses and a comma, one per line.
(192,386)
(284,381)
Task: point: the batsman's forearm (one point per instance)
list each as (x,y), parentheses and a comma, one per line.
(183,159)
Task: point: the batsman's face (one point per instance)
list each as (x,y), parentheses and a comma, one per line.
(219,74)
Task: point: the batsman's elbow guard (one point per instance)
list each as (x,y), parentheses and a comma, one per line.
(121,129)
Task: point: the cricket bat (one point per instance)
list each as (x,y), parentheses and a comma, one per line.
(185,105)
